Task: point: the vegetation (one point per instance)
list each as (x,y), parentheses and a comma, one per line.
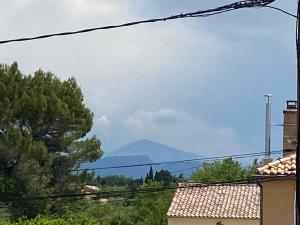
(220,171)
(137,206)
(113,180)
(40,220)
(144,209)
(42,123)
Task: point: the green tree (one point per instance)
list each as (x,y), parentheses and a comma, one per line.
(151,177)
(133,186)
(164,176)
(40,220)
(219,171)
(141,181)
(43,121)
(98,179)
(115,180)
(147,178)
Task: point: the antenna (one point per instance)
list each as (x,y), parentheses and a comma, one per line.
(268,127)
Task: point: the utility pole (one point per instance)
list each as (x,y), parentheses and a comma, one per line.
(297,211)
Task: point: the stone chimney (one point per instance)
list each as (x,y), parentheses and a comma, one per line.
(290,128)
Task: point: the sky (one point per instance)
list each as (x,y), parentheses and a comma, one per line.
(196,84)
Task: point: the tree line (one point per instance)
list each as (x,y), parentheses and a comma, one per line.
(163,176)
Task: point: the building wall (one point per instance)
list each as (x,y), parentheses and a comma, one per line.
(199,221)
(278,202)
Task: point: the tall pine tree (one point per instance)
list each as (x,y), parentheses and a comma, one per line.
(43,121)
(151,177)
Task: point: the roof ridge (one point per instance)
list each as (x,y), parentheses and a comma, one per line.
(192,184)
(281,166)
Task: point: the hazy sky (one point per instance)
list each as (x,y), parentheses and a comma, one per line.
(195,84)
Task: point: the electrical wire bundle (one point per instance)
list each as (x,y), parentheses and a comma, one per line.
(200,13)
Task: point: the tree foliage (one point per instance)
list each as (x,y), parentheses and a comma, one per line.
(151,174)
(113,180)
(164,176)
(144,209)
(42,123)
(40,220)
(219,171)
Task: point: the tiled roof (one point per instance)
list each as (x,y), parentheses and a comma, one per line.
(216,201)
(283,166)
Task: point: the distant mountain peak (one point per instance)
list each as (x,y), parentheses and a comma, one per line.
(147,141)
(156,151)
(143,151)
(151,142)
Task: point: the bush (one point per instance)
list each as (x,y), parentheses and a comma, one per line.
(40,220)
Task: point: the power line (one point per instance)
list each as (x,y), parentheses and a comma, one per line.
(189,168)
(154,190)
(200,164)
(113,197)
(125,192)
(281,10)
(236,156)
(200,13)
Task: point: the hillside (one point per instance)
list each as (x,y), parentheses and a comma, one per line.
(143,152)
(116,161)
(155,151)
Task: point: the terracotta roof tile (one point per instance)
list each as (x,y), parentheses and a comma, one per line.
(216,201)
(282,166)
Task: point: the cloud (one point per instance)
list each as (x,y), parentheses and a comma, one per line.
(178,82)
(103,125)
(185,131)
(162,117)
(103,121)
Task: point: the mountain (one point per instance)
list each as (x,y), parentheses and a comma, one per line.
(144,152)
(155,151)
(117,161)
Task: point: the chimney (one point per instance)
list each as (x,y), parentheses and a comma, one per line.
(290,128)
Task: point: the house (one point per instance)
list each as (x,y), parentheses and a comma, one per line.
(278,177)
(278,191)
(269,202)
(90,191)
(232,204)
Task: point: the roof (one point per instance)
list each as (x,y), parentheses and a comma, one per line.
(91,188)
(282,166)
(241,201)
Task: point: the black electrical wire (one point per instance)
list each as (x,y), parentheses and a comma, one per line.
(200,13)
(281,10)
(119,193)
(236,156)
(195,167)
(153,190)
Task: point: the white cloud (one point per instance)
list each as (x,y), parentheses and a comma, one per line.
(178,128)
(103,124)
(195,65)
(162,117)
(103,121)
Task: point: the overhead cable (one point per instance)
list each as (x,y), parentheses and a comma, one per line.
(125,192)
(281,10)
(204,159)
(200,13)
